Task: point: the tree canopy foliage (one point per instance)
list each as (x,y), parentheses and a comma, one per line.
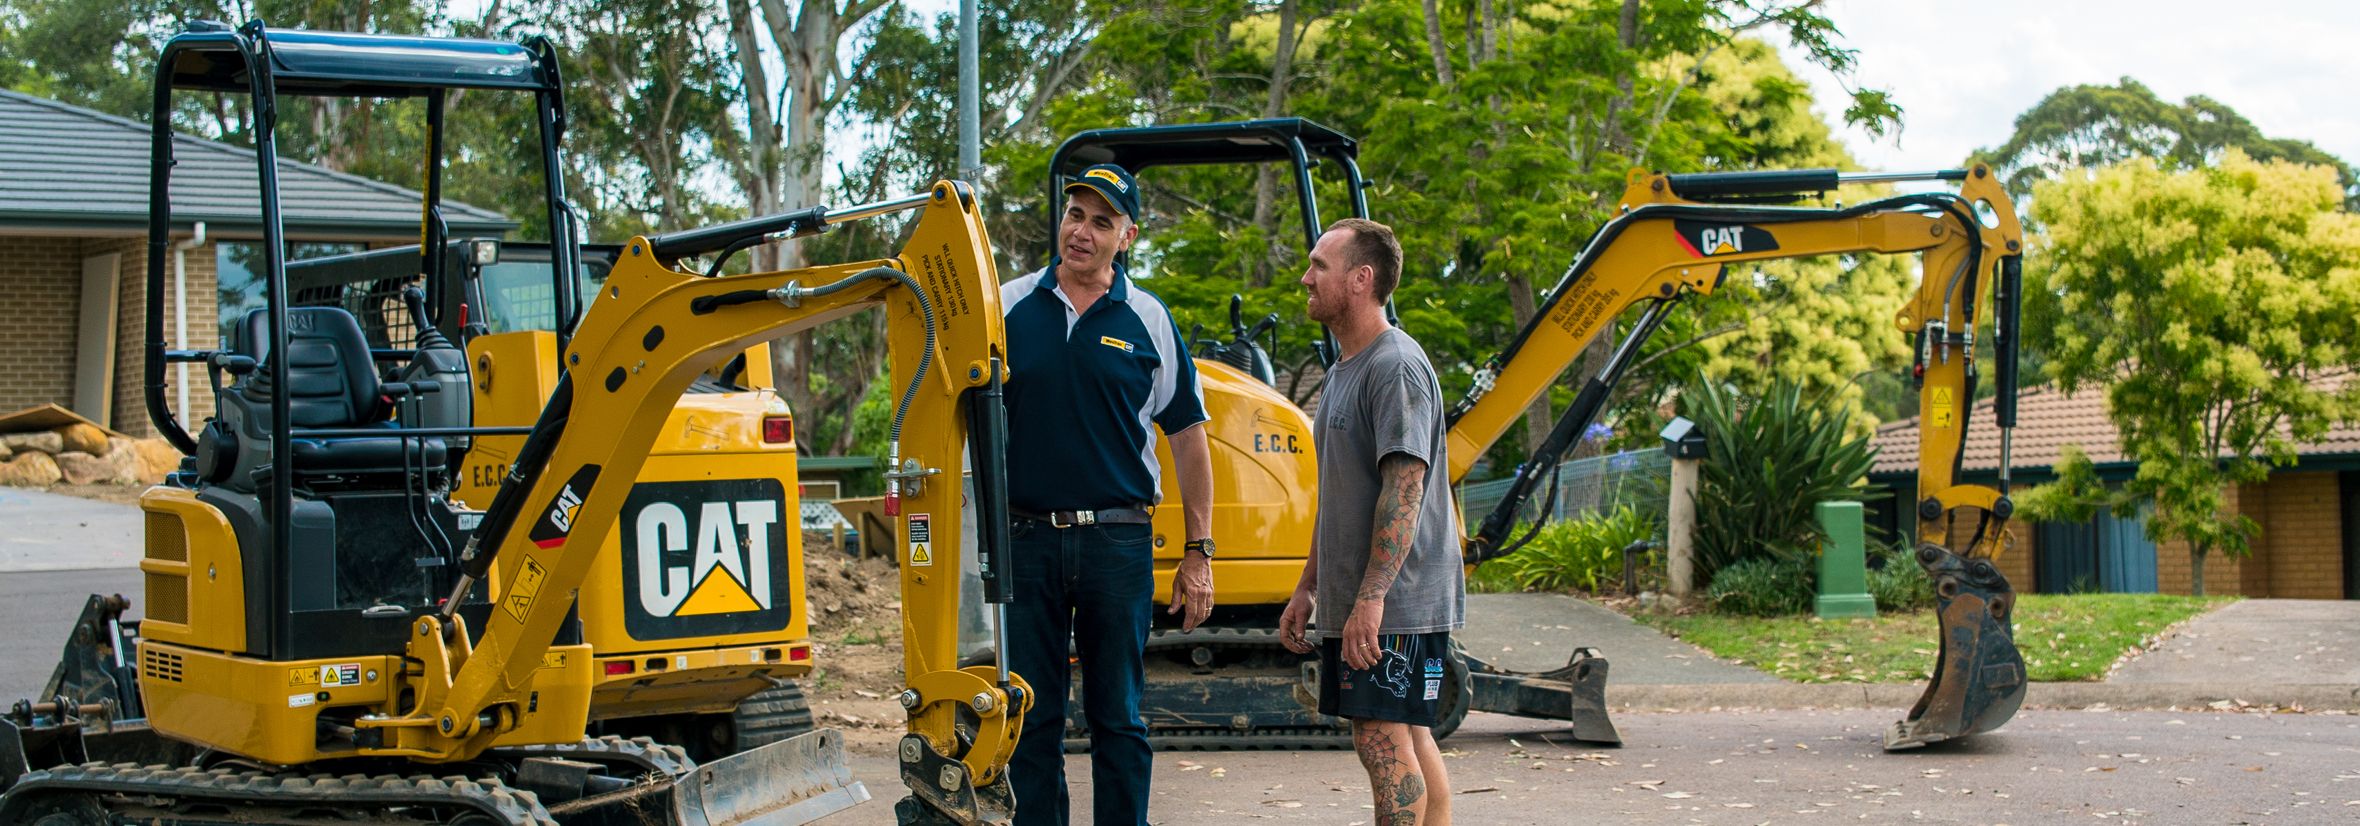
(2213,307)
(1496,136)
(2089,126)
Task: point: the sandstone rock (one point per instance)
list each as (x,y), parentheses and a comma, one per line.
(80,468)
(157,458)
(83,438)
(129,469)
(34,442)
(29,470)
(6,451)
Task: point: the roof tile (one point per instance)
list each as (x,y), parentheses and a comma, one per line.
(61,162)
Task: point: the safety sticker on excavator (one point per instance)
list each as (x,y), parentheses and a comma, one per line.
(1941,413)
(528,585)
(921,541)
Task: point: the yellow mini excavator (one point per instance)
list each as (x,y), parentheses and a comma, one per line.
(331,637)
(1225,685)
(705,666)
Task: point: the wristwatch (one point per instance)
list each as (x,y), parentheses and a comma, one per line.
(1202,546)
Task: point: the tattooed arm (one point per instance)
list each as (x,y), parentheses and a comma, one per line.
(1401,489)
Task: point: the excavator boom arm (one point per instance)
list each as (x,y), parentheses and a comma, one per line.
(650,333)
(1676,236)
(1663,248)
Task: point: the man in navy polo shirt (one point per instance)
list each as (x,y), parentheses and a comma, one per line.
(1094,362)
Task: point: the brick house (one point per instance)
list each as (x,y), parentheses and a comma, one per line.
(73,252)
(2303,550)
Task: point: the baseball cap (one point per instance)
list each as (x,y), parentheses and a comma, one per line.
(1111,181)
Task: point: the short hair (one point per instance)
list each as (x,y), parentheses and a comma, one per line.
(1373,244)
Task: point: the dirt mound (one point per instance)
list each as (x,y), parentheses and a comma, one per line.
(855,607)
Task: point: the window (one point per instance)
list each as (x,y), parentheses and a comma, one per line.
(239,267)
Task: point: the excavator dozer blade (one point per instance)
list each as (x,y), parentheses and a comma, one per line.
(1574,692)
(796,780)
(1978,675)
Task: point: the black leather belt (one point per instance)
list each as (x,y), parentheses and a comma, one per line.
(1103,516)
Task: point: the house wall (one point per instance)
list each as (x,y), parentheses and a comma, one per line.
(130,408)
(2297,551)
(2016,555)
(43,278)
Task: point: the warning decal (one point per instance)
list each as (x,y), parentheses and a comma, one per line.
(340,674)
(921,541)
(1941,413)
(528,585)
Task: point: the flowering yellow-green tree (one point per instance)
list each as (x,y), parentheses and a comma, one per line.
(2208,304)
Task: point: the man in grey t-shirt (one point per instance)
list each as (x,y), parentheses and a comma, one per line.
(1385,570)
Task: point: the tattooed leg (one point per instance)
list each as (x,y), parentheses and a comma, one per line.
(1390,756)
(1437,777)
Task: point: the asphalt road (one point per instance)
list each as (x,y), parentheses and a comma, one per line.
(38,609)
(1795,767)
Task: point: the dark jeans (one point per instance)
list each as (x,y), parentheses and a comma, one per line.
(1093,585)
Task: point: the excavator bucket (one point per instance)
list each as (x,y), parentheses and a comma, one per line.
(796,780)
(1978,675)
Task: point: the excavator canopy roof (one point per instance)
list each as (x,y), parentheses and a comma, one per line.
(208,57)
(1250,141)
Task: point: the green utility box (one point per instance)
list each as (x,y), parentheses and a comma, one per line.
(1843,564)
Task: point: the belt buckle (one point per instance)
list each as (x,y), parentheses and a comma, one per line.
(1079,518)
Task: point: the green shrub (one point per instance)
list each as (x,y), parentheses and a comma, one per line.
(1769,462)
(1763,587)
(1901,586)
(1584,554)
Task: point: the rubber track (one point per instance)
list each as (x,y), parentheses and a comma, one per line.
(1271,739)
(255,794)
(774,714)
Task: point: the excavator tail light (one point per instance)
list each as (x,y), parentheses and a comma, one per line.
(778,430)
(618,667)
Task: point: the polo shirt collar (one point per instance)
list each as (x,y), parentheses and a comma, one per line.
(1121,291)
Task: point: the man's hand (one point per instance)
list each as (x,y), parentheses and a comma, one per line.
(1294,621)
(1360,634)
(1192,587)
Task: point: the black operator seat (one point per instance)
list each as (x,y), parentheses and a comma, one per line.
(332,383)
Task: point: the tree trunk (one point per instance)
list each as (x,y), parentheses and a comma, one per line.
(2196,553)
(1282,69)
(1441,54)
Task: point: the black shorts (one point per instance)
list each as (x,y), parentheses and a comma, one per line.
(1405,687)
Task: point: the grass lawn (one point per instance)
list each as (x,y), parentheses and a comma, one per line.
(2063,638)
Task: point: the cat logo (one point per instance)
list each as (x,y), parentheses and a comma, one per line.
(1706,239)
(562,514)
(702,558)
(550,531)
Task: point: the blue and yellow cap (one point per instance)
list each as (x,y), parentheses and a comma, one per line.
(1111,181)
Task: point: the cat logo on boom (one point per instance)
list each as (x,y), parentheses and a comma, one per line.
(1708,239)
(550,531)
(704,558)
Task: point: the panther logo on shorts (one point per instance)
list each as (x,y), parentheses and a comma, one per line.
(1392,673)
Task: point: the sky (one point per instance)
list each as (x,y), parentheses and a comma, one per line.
(1963,71)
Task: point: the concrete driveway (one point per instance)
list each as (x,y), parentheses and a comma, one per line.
(41,531)
(55,551)
(2285,641)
